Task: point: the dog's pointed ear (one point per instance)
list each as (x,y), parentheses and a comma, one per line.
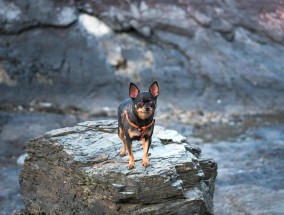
(154,89)
(133,91)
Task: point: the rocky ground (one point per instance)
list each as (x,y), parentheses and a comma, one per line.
(250,178)
(248,149)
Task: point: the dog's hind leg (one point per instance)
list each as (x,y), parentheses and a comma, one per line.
(121,136)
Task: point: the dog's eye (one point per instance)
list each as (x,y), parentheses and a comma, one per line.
(140,104)
(152,104)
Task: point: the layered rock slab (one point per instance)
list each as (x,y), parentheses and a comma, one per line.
(78,170)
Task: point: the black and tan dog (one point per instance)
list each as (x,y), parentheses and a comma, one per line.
(136,121)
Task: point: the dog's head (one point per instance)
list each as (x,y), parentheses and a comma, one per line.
(144,103)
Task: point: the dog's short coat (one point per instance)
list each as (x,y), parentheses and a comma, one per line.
(136,120)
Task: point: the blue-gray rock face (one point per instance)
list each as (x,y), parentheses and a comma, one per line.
(211,55)
(78,170)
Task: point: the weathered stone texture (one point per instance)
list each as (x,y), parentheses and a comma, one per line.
(78,170)
(224,53)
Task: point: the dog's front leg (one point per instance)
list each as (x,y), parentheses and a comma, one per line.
(130,153)
(146,142)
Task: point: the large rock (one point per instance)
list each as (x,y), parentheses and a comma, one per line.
(77,170)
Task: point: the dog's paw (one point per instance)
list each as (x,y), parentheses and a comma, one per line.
(145,163)
(131,165)
(122,154)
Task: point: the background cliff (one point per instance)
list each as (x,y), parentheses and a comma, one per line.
(212,55)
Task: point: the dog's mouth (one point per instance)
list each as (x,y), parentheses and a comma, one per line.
(144,114)
(146,111)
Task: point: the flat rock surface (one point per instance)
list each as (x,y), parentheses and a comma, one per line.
(78,170)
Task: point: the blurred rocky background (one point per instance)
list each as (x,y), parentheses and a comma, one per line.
(219,64)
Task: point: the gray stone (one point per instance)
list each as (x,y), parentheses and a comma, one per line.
(250,172)
(21,159)
(16,16)
(79,170)
(17,129)
(201,52)
(10,198)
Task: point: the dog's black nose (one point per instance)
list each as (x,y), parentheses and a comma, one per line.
(147,108)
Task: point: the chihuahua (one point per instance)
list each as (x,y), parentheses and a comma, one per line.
(136,120)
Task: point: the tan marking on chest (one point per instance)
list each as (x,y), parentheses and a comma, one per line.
(133,132)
